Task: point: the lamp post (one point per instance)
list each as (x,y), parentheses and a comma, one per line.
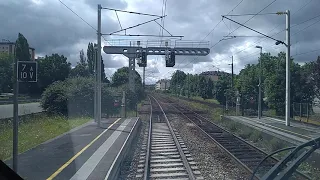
(288,62)
(259,98)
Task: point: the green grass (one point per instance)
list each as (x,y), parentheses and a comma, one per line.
(131,113)
(34,130)
(207,100)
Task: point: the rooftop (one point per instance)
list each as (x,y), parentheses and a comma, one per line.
(213,73)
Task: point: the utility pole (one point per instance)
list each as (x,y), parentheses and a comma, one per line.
(260,70)
(231,71)
(188,85)
(98,106)
(288,68)
(144,76)
(95,82)
(231,82)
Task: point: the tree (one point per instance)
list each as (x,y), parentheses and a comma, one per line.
(121,77)
(51,69)
(103,73)
(22,54)
(81,69)
(209,88)
(178,81)
(247,84)
(316,76)
(91,57)
(83,59)
(6,72)
(22,49)
(311,71)
(203,87)
(221,87)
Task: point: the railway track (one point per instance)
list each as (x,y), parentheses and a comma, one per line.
(247,155)
(164,155)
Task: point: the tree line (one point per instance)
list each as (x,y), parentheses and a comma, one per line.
(51,68)
(305,84)
(66,90)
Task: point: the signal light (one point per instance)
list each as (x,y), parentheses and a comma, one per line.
(170,59)
(142,62)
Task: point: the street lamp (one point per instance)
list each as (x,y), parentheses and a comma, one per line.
(259,99)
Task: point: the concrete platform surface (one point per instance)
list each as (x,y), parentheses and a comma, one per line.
(86,153)
(298,132)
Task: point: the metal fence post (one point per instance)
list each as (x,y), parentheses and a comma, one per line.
(300,112)
(307,112)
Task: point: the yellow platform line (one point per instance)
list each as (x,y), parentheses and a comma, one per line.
(80,152)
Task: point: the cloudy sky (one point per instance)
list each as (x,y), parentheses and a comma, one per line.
(50,27)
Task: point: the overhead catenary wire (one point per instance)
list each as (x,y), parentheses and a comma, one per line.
(118,19)
(250,14)
(262,39)
(237,27)
(221,20)
(85,23)
(78,16)
(253,30)
(135,25)
(217,26)
(131,12)
(275,27)
(212,31)
(253,16)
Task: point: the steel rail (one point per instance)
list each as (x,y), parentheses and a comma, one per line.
(222,147)
(182,155)
(147,163)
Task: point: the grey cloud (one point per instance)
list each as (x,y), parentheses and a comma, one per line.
(56,29)
(49,30)
(117,4)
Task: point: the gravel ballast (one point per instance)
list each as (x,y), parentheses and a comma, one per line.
(211,160)
(130,165)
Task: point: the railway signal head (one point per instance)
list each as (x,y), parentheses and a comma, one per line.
(142,59)
(171,59)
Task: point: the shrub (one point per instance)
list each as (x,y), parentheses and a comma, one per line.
(75,96)
(275,144)
(54,99)
(255,136)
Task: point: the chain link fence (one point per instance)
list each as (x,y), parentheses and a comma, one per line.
(306,112)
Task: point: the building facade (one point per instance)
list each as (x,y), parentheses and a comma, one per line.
(163,84)
(9,47)
(213,75)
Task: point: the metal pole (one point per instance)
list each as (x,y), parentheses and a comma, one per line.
(231,71)
(15,117)
(300,109)
(95,83)
(99,68)
(287,117)
(188,85)
(259,100)
(144,76)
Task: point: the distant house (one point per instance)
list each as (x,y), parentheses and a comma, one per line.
(213,75)
(163,84)
(8,47)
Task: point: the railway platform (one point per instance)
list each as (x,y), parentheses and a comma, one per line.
(88,152)
(296,133)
